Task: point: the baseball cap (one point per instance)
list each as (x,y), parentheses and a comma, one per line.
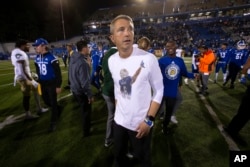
(40,41)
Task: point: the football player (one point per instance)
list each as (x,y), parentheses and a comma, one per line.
(221,61)
(237,59)
(20,61)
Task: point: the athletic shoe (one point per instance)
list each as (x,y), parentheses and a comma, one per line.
(108,144)
(130,155)
(43,110)
(186,81)
(174,120)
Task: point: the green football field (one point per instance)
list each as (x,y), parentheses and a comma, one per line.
(196,141)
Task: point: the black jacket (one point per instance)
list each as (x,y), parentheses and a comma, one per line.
(79,75)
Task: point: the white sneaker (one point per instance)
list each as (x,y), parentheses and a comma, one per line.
(186,81)
(43,110)
(174,120)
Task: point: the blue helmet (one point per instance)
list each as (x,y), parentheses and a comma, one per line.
(241,44)
(196,52)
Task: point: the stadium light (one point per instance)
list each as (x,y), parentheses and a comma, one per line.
(61,9)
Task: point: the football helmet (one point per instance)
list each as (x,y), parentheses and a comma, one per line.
(34,76)
(241,44)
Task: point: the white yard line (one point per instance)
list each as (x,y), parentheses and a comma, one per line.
(13,83)
(231,144)
(7,84)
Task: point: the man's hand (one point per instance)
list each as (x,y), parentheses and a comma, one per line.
(34,83)
(58,90)
(143,130)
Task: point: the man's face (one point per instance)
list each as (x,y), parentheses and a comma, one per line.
(171,49)
(201,50)
(26,48)
(38,49)
(123,34)
(69,48)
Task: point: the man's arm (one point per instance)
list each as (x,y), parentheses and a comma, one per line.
(246,66)
(21,62)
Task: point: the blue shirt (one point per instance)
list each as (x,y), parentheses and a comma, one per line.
(172,68)
(46,70)
(223,55)
(238,57)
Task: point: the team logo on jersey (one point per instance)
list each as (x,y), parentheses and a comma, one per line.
(172,71)
(18,56)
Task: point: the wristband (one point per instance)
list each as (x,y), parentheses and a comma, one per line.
(149,120)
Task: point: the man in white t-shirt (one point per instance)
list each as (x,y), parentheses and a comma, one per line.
(138,89)
(20,61)
(179,52)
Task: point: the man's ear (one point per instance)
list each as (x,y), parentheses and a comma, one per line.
(112,38)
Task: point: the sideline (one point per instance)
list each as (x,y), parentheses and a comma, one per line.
(231,143)
(13,119)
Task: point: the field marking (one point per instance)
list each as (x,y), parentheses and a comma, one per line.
(13,83)
(7,84)
(13,119)
(7,74)
(231,143)
(10,120)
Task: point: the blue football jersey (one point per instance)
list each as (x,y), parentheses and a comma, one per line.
(238,56)
(46,71)
(223,55)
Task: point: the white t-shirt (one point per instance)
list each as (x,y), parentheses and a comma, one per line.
(137,81)
(179,52)
(17,55)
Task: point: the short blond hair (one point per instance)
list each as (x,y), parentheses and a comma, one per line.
(126,17)
(143,43)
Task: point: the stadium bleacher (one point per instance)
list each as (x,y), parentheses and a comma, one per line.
(187,22)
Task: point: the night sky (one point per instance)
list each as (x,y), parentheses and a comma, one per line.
(31,19)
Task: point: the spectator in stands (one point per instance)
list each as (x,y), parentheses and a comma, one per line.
(206,64)
(134,118)
(172,68)
(222,57)
(50,78)
(80,83)
(23,76)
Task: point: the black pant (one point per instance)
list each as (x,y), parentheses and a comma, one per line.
(85,109)
(169,108)
(242,116)
(233,70)
(49,96)
(141,147)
